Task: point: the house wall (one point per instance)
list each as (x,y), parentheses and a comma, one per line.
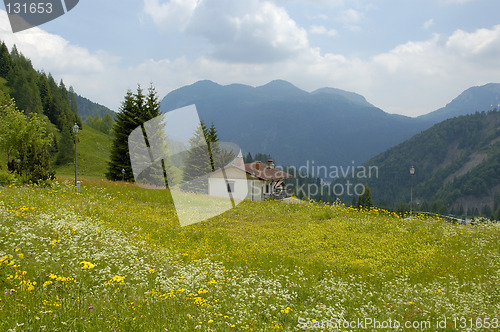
(252,190)
(218,187)
(256,190)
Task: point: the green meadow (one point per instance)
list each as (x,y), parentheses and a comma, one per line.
(113,257)
(93,155)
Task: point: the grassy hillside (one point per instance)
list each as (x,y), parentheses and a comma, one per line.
(93,155)
(113,257)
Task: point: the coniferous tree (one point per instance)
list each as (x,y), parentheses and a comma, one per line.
(126,122)
(197,162)
(152,104)
(46,98)
(248,158)
(5,61)
(214,149)
(72,100)
(135,110)
(66,146)
(365,200)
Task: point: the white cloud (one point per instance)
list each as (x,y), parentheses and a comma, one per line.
(351,19)
(322,30)
(428,24)
(448,64)
(254,31)
(482,45)
(52,51)
(173,14)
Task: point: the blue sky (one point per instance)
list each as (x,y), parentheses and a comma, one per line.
(405,56)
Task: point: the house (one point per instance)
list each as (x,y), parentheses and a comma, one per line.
(256,181)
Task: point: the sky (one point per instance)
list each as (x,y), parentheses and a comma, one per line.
(409,57)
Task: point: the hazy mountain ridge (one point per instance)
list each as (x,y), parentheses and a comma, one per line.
(330,126)
(87,108)
(474,99)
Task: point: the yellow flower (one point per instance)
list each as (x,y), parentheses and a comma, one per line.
(87,265)
(118,279)
(21,255)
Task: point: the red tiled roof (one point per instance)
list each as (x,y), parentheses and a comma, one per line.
(264,172)
(259,170)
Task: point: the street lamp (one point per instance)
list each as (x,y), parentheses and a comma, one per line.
(123,174)
(412,172)
(75,130)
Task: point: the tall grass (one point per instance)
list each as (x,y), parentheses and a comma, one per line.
(113,257)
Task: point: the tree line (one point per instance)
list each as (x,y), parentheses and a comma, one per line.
(203,155)
(35,109)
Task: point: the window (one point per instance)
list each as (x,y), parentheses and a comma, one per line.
(230,187)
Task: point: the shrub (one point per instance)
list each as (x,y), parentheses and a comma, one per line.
(6,178)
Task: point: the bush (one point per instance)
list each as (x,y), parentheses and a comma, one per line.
(6,178)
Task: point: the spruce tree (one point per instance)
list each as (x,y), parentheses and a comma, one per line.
(197,162)
(365,200)
(126,122)
(135,110)
(248,158)
(66,146)
(5,61)
(73,105)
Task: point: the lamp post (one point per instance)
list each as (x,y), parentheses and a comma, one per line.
(412,172)
(75,130)
(123,174)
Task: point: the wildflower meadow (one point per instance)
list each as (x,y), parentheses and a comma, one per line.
(113,257)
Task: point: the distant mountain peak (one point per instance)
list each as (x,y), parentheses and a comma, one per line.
(351,96)
(280,87)
(469,95)
(475,99)
(279,84)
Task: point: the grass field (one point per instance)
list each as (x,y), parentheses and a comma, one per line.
(93,155)
(114,258)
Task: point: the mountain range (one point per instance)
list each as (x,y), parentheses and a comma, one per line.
(331,127)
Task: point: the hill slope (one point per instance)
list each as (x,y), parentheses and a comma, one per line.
(93,155)
(329,126)
(457,163)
